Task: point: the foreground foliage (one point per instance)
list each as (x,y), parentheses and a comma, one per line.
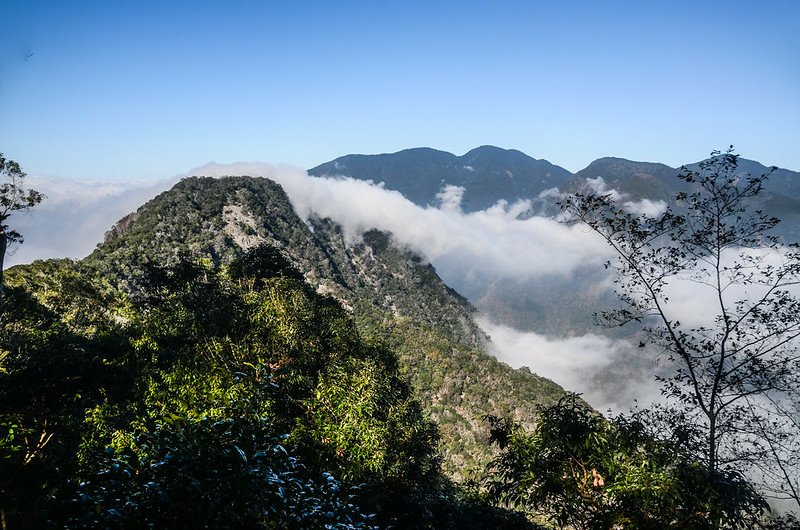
(209,396)
(393,295)
(231,472)
(14,197)
(579,470)
(734,373)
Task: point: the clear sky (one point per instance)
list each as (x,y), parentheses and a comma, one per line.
(146,90)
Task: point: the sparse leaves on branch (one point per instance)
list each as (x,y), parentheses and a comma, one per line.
(14,196)
(735,371)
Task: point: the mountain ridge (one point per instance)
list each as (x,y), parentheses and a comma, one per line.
(394,296)
(421,173)
(490,174)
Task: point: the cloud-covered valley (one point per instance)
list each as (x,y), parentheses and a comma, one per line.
(558,267)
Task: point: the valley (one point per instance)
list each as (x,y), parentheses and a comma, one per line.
(485,310)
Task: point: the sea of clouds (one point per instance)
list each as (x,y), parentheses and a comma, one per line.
(497,242)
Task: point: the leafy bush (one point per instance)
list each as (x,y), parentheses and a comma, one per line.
(579,470)
(233,472)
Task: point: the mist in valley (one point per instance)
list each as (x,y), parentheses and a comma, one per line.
(535,281)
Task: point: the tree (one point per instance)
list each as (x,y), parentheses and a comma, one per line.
(231,471)
(61,353)
(13,197)
(579,470)
(734,375)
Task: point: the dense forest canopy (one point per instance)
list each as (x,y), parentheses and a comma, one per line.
(231,396)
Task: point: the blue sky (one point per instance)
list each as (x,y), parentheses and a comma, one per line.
(148,90)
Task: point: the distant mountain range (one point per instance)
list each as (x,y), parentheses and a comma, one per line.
(488,174)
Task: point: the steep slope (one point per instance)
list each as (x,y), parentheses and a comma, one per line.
(395,297)
(221,218)
(487,173)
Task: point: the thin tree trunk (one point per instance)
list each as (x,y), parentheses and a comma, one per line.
(3,243)
(712,445)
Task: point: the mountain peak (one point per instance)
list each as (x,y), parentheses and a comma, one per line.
(494,151)
(487,174)
(625,164)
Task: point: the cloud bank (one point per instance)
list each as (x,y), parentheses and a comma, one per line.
(494,240)
(693,299)
(72,219)
(491,245)
(608,373)
(638,207)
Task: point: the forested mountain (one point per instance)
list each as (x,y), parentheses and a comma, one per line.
(394,296)
(487,173)
(213,309)
(637,179)
(220,362)
(659,182)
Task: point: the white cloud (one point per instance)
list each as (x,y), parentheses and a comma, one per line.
(639,207)
(645,207)
(550,193)
(598,186)
(693,297)
(494,240)
(72,219)
(609,373)
(450,197)
(74,192)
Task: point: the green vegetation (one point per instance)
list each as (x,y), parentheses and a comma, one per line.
(219,363)
(13,197)
(392,295)
(222,396)
(460,387)
(578,470)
